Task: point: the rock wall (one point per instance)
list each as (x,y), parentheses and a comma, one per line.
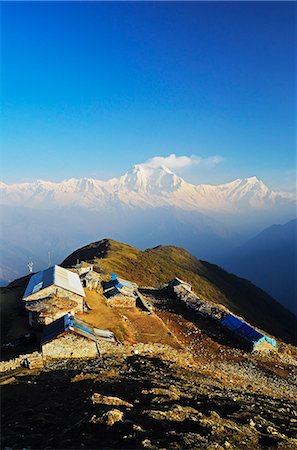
(121,301)
(29,361)
(70,345)
(195,303)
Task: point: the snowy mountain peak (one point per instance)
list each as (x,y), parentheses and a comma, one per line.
(145,179)
(145,185)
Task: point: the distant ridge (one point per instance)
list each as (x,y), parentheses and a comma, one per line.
(270,261)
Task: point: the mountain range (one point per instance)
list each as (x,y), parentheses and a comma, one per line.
(144,187)
(146,206)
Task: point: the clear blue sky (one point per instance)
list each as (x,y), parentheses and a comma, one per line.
(89,89)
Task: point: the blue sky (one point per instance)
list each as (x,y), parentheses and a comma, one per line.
(89,89)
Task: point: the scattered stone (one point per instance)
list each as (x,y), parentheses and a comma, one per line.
(162,395)
(176,413)
(107,400)
(109,418)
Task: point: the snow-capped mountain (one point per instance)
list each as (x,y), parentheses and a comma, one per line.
(144,207)
(143,186)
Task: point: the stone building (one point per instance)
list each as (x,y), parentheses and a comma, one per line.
(82,268)
(248,336)
(54,281)
(88,277)
(119,292)
(91,280)
(69,337)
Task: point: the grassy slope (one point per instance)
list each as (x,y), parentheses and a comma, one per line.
(154,267)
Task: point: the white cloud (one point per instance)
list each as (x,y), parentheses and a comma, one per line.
(180,163)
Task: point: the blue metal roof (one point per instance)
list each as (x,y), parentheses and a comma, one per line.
(244,330)
(241,328)
(112,292)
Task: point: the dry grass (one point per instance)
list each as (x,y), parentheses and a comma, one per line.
(149,328)
(105,317)
(129,324)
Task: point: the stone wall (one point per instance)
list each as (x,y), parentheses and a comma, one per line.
(59,292)
(30,361)
(192,301)
(121,301)
(264,346)
(37,320)
(70,345)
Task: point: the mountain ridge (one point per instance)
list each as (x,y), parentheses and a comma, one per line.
(269,260)
(155,266)
(143,186)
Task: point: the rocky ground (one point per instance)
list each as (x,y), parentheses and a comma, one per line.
(146,397)
(197,389)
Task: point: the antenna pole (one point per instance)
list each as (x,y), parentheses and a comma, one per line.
(30,266)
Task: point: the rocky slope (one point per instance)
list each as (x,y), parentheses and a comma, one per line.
(147,398)
(176,382)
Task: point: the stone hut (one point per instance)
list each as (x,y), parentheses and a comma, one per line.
(69,337)
(91,280)
(253,339)
(246,334)
(120,292)
(82,268)
(55,281)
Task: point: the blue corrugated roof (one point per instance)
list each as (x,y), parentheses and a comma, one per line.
(112,292)
(245,331)
(241,328)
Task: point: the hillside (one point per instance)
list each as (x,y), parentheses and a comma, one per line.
(173,380)
(269,260)
(155,266)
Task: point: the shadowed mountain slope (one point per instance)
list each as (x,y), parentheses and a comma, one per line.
(155,266)
(269,260)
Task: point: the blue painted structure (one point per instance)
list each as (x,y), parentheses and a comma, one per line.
(68,323)
(118,283)
(245,331)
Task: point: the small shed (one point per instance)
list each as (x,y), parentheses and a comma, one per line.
(120,292)
(82,268)
(69,337)
(55,281)
(254,339)
(90,280)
